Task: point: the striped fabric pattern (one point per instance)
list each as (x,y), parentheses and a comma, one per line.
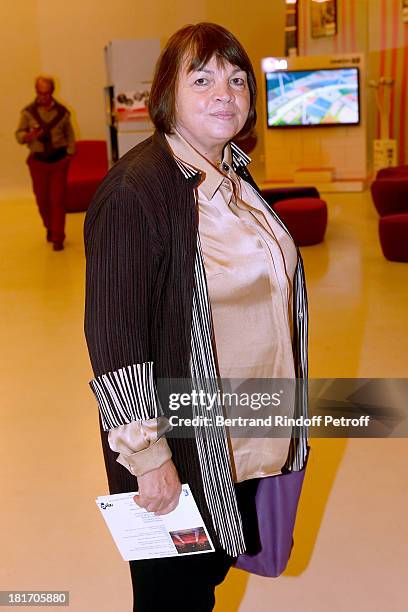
(186,170)
(126,395)
(239,158)
(211,441)
(298,448)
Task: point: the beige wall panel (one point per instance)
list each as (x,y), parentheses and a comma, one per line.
(20,61)
(87,26)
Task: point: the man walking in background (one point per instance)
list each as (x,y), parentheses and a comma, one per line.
(45,127)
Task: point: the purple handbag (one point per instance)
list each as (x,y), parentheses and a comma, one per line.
(276,503)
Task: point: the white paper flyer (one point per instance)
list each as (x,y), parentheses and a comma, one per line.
(140,534)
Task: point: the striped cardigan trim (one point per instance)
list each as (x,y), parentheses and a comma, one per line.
(239,160)
(212,443)
(187,170)
(128,394)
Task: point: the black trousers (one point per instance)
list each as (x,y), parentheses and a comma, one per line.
(186,583)
(178,584)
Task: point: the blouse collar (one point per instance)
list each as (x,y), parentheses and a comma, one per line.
(195,166)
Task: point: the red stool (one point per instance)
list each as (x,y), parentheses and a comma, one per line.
(87,169)
(393,171)
(390,194)
(393,231)
(305,218)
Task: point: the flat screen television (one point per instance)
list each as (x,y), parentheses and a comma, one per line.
(312,98)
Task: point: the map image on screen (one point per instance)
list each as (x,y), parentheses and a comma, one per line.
(312,97)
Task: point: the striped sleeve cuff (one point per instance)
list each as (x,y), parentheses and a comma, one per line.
(125,395)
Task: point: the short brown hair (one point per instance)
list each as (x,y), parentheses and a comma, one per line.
(197,43)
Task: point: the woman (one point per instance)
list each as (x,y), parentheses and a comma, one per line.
(185,267)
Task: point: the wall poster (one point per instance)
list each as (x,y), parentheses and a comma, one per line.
(323,18)
(132,105)
(404,4)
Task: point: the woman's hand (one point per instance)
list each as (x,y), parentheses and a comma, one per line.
(159,489)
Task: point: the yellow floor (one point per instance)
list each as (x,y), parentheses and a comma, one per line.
(351,534)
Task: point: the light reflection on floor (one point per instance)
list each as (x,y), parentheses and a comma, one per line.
(351,534)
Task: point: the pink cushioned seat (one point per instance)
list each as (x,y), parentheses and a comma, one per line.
(305,218)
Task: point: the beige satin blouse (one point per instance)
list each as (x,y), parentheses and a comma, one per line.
(250,263)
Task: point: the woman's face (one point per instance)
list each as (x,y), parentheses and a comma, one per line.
(212,105)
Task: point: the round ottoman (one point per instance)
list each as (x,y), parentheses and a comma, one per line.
(393,231)
(392,172)
(390,195)
(305,218)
